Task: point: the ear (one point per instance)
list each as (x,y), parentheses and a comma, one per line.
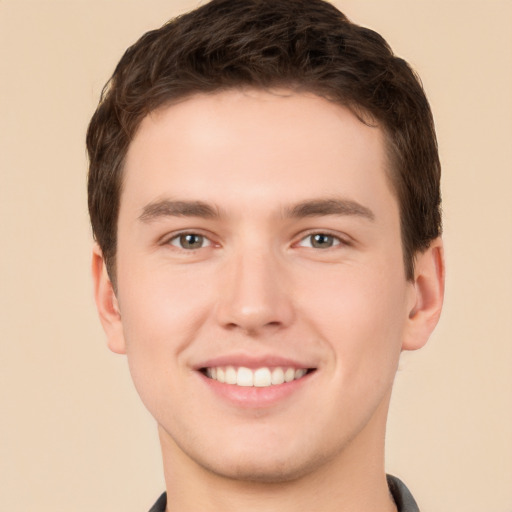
(106,303)
(427,296)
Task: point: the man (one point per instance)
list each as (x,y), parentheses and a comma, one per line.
(264,194)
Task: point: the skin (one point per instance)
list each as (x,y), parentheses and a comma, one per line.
(257,286)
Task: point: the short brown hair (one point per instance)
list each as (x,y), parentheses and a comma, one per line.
(304,45)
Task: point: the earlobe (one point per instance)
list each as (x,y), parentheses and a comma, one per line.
(106,303)
(427,296)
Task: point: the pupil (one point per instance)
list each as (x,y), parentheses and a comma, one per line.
(322,240)
(191,241)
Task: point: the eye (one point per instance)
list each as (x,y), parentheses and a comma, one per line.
(320,241)
(190,241)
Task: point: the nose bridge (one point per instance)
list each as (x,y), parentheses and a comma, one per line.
(255,294)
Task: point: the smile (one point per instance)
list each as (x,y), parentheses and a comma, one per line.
(261,377)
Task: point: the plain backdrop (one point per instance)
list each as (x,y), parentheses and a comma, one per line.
(73,434)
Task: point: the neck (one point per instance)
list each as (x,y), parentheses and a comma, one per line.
(351,480)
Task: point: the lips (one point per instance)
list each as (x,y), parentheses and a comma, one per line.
(255,382)
(260,377)
(248,370)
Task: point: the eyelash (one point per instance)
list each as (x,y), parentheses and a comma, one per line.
(180,238)
(336,240)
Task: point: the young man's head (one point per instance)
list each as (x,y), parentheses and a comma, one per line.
(264,193)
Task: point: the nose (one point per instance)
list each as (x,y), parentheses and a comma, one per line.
(256,296)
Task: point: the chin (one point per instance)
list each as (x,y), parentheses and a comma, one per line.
(264,462)
(266,471)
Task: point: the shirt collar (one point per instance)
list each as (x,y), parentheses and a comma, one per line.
(402,496)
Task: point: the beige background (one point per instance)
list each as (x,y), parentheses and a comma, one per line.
(73,435)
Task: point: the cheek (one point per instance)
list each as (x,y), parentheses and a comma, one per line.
(161,305)
(360,314)
(161,315)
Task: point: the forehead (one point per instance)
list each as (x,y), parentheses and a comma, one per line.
(246,145)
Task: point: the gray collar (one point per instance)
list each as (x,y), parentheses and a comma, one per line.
(403,498)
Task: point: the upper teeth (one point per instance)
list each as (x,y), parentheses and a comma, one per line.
(262,377)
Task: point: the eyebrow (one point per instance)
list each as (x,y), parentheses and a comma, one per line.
(169,208)
(309,208)
(333,206)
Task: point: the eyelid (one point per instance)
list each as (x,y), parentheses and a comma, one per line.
(169,237)
(341,239)
(206,242)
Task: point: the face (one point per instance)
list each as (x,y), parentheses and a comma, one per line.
(262,300)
